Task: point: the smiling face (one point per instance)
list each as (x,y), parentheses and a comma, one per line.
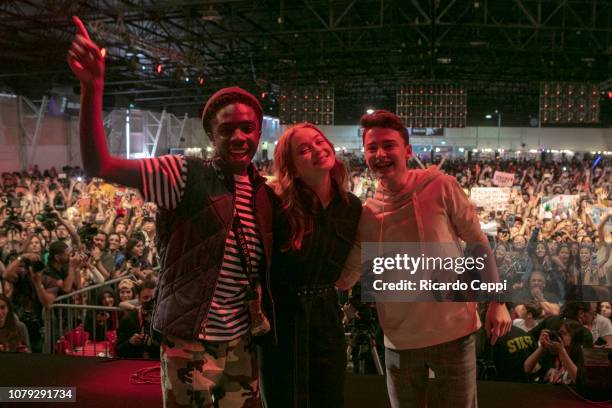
(113,242)
(236,133)
(386,153)
(540,250)
(125,294)
(311,153)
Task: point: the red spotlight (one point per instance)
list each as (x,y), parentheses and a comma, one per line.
(265,94)
(201,81)
(609,94)
(159,68)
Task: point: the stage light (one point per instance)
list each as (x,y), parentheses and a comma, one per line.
(159,68)
(569,102)
(103,52)
(306,104)
(609,94)
(201,81)
(187,79)
(431,104)
(370,111)
(488,116)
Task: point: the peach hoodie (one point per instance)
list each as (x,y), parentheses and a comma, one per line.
(430,208)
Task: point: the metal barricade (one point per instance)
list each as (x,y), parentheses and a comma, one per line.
(68,326)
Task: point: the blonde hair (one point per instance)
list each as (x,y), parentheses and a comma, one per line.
(126,283)
(299,207)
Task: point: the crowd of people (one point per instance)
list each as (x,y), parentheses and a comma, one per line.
(61,233)
(557,260)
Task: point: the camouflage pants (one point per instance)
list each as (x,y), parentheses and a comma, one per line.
(209,374)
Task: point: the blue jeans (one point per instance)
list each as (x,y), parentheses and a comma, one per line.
(454,364)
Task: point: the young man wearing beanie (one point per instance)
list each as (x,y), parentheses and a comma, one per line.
(422,206)
(214,240)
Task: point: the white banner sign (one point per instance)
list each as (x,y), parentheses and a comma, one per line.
(491,197)
(562,205)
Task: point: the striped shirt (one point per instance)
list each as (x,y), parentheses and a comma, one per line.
(228,316)
(163,182)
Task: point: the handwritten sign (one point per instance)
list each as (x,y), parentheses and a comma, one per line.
(491,197)
(561,204)
(502,179)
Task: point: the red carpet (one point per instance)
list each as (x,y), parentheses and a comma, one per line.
(104,383)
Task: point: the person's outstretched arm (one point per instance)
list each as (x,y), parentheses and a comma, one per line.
(87,63)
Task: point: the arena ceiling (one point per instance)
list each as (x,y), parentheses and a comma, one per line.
(499,49)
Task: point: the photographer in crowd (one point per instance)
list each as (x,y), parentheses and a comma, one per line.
(58,220)
(30,290)
(558,358)
(135,337)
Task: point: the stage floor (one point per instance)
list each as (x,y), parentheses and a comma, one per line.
(104,383)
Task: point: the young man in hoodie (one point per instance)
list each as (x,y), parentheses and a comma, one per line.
(423,206)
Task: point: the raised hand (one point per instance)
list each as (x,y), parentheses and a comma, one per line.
(85,58)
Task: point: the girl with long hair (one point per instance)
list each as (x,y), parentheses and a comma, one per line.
(563,272)
(304,361)
(540,258)
(586,270)
(559,354)
(13,333)
(133,259)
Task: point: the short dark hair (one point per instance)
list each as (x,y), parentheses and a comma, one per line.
(384,119)
(224,97)
(56,248)
(534,308)
(147,283)
(572,309)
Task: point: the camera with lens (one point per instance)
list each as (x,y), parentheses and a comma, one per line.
(37,266)
(47,218)
(147,308)
(137,263)
(554,335)
(58,203)
(87,233)
(12,222)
